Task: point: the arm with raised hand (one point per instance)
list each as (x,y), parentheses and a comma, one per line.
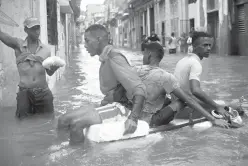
(9,40)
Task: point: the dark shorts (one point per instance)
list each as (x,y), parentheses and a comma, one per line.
(152,119)
(172,51)
(34,101)
(163,116)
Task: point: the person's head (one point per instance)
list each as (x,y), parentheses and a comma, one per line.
(153,53)
(202,43)
(32,28)
(153,32)
(144,37)
(172,34)
(96,38)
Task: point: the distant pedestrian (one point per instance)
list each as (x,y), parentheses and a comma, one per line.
(172,44)
(143,42)
(110,40)
(154,37)
(183,43)
(189,42)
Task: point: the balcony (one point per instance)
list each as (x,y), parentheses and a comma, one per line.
(212,5)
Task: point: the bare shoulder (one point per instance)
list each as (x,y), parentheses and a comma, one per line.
(19,43)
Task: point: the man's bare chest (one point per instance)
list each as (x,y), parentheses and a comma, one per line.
(31,68)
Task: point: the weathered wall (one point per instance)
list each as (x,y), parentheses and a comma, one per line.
(199,11)
(167,18)
(1,79)
(18,11)
(193,12)
(224,31)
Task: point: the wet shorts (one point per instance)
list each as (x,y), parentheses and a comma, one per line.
(34,100)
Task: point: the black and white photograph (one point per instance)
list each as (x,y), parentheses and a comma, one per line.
(123,82)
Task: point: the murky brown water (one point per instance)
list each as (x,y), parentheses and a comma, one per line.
(35,142)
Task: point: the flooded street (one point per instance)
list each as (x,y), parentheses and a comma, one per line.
(35,141)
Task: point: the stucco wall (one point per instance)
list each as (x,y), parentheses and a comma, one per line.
(194,12)
(18,11)
(224,31)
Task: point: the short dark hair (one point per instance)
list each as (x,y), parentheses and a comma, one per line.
(156,48)
(96,27)
(198,34)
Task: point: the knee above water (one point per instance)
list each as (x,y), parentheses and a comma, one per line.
(63,121)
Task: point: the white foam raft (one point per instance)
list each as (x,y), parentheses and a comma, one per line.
(112,129)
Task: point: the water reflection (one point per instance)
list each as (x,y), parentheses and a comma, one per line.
(35,141)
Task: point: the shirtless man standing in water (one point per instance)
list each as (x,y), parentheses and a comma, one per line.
(34,95)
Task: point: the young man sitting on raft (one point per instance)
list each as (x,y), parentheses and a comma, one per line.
(114,71)
(157,83)
(189,69)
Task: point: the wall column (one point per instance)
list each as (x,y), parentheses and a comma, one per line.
(148,22)
(144,25)
(224,34)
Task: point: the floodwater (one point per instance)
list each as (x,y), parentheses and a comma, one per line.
(35,142)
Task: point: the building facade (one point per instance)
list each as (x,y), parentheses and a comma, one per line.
(93,12)
(238,16)
(225,20)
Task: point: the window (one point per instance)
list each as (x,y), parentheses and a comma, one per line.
(191,1)
(52,22)
(174,8)
(192,23)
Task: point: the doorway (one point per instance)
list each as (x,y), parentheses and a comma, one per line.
(191,24)
(213,27)
(152,21)
(163,33)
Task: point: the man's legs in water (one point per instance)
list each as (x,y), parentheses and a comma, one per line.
(65,121)
(86,119)
(43,101)
(24,107)
(166,114)
(33,101)
(78,120)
